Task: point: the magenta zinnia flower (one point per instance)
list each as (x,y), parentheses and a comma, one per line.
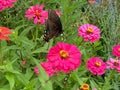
(47,66)
(37,13)
(116,50)
(64,57)
(96,66)
(113,64)
(89,32)
(6,4)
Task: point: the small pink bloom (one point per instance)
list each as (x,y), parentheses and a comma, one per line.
(24,62)
(91,1)
(94,89)
(36,70)
(113,64)
(6,4)
(96,66)
(64,57)
(89,32)
(37,13)
(116,50)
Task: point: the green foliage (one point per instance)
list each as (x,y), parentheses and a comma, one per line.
(26,43)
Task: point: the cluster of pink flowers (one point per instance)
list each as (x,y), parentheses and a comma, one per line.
(37,13)
(62,57)
(89,32)
(113,64)
(6,4)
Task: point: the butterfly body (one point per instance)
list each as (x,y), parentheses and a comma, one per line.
(53,26)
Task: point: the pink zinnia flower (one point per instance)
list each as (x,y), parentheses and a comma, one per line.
(89,32)
(3,33)
(6,4)
(113,64)
(116,50)
(37,13)
(47,66)
(64,57)
(96,66)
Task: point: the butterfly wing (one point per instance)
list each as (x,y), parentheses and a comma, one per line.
(53,26)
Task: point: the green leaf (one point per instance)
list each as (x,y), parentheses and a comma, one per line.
(26,31)
(10,78)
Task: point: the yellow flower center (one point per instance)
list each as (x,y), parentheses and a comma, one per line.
(0,30)
(64,54)
(119,49)
(84,87)
(89,30)
(37,13)
(98,64)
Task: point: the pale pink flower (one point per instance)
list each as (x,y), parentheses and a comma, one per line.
(65,57)
(113,64)
(94,89)
(96,66)
(6,4)
(89,32)
(116,50)
(37,13)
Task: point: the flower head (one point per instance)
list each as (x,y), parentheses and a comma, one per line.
(6,4)
(113,64)
(47,66)
(64,57)
(89,32)
(37,13)
(116,50)
(96,66)
(85,87)
(3,33)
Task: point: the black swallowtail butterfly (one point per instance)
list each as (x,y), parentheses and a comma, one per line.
(53,26)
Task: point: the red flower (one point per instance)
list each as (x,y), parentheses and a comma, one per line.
(3,32)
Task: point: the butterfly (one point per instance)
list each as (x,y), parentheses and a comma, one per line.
(53,27)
